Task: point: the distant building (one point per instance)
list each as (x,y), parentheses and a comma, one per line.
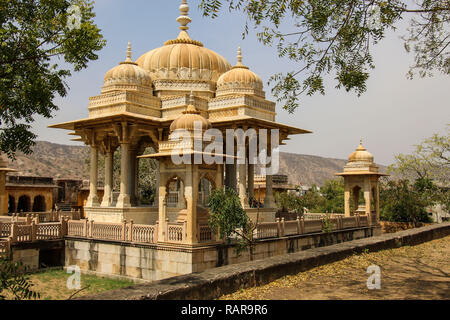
(29,194)
(280,184)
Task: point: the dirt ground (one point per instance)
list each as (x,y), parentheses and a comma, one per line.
(419,272)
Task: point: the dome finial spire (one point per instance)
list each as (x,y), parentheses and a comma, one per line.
(191,98)
(184,18)
(239,56)
(129,52)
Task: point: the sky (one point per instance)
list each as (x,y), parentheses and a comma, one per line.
(391,117)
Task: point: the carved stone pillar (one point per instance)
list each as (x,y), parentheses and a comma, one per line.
(124,200)
(156,198)
(181,201)
(132,176)
(269,201)
(109,173)
(347,200)
(251,181)
(191,193)
(92,200)
(136,181)
(162,192)
(243,185)
(219,176)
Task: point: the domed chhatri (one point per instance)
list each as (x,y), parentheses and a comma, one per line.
(127,73)
(184,58)
(240,80)
(189,118)
(360,162)
(361,155)
(148,103)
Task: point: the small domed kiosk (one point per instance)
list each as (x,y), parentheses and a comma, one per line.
(361,175)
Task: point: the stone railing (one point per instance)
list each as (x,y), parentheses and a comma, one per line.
(128,232)
(282,228)
(50,231)
(175,232)
(318,216)
(36,231)
(144,233)
(43,217)
(204,233)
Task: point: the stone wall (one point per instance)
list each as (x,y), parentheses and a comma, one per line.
(159,261)
(214,283)
(39,254)
(392,227)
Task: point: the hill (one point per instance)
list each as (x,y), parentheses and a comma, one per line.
(63,161)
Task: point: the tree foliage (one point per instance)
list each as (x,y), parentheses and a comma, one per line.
(337,36)
(330,198)
(14,282)
(430,160)
(401,201)
(333,192)
(35,35)
(287,201)
(227,214)
(230,220)
(428,164)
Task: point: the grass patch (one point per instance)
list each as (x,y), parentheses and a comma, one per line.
(52,284)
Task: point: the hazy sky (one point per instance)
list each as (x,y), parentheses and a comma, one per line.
(392,116)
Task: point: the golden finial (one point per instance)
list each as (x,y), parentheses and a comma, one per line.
(239,56)
(191,109)
(184,19)
(129,53)
(360,147)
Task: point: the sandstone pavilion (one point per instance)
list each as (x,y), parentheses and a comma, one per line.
(143,103)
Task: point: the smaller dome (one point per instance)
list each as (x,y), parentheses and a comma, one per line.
(127,73)
(189,118)
(240,80)
(361,155)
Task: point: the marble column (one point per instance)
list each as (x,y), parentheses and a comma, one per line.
(109,173)
(124,200)
(92,200)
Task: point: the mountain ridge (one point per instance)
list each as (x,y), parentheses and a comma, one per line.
(69,162)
